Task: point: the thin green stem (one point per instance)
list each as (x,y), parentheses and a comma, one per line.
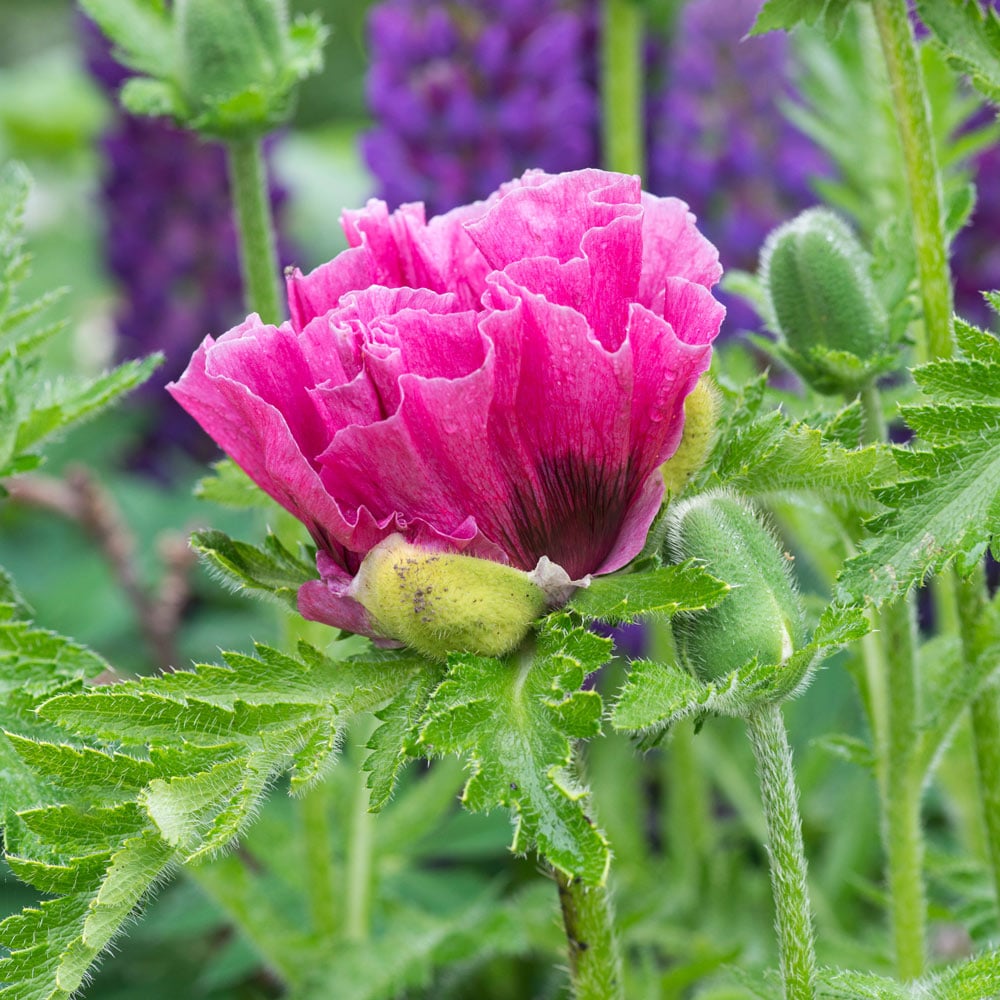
(871,407)
(595,966)
(322,881)
(901,823)
(621,86)
(923,177)
(779,795)
(360,855)
(971,594)
(986,737)
(258,257)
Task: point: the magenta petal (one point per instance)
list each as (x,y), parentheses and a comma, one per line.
(551,218)
(326,600)
(504,380)
(672,246)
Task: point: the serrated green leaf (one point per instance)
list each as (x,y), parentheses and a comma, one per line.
(625,597)
(786,14)
(269,568)
(418,943)
(514,719)
(946,505)
(393,743)
(53,947)
(141,33)
(837,984)
(658,695)
(970,34)
(230,486)
(65,403)
(972,980)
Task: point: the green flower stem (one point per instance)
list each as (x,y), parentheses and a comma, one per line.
(871,407)
(971,595)
(986,737)
(891,698)
(766,729)
(360,856)
(621,86)
(322,882)
(595,967)
(258,256)
(923,178)
(903,784)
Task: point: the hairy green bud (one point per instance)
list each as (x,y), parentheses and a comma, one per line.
(701,412)
(761,617)
(227,68)
(823,302)
(441,603)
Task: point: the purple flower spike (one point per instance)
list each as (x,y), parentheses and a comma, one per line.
(466,95)
(503,381)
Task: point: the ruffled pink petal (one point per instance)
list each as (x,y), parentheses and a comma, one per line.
(672,246)
(549,216)
(395,250)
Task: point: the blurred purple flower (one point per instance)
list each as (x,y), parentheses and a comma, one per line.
(466,95)
(717,137)
(171,244)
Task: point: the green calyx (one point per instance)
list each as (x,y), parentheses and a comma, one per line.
(817,279)
(226,68)
(441,603)
(761,617)
(701,414)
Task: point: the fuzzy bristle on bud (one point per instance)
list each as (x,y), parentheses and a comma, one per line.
(823,300)
(701,412)
(440,603)
(761,617)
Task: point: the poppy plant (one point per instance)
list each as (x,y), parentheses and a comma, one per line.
(502,381)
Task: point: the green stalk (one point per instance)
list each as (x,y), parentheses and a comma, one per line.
(595,967)
(923,179)
(258,256)
(322,881)
(892,700)
(621,86)
(971,594)
(779,795)
(901,824)
(360,856)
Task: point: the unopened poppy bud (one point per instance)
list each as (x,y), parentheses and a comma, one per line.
(440,603)
(701,411)
(761,616)
(817,277)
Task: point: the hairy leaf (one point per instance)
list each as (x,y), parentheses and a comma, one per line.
(52,947)
(787,14)
(946,506)
(658,695)
(514,719)
(625,597)
(270,568)
(970,34)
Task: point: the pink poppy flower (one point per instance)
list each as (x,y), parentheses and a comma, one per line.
(502,381)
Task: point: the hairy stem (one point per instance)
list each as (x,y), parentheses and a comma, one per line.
(360,857)
(595,967)
(322,881)
(258,256)
(903,783)
(621,86)
(923,177)
(971,594)
(766,729)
